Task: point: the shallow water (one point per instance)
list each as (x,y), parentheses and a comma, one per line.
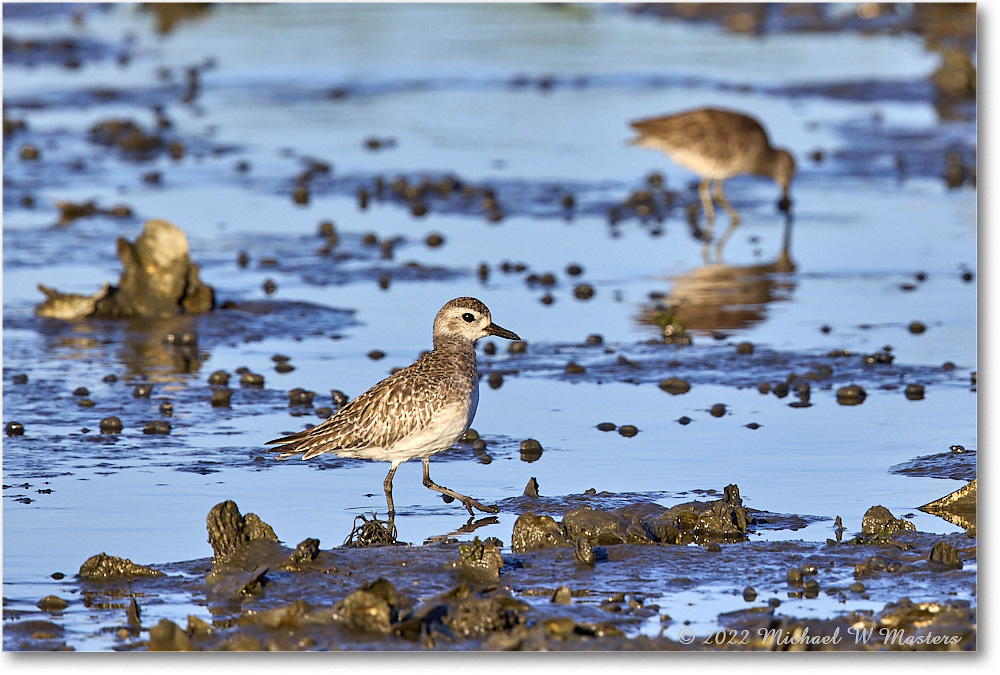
(532,101)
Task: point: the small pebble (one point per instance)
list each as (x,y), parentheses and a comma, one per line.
(221,397)
(794,576)
(562,596)
(744,348)
(627,430)
(675,386)
(531,450)
(917,327)
(595,339)
(583,552)
(517,347)
(531,489)
(248,379)
(81,391)
(851,395)
(575,368)
(167,409)
(19,378)
(583,291)
(717,410)
(749,594)
(323,412)
(110,425)
(269,286)
(219,377)
(51,603)
(142,390)
(85,403)
(299,396)
(574,270)
(156,427)
(434,240)
(684,421)
(607,426)
(713,547)
(29,152)
(14,429)
(914,392)
(955,449)
(338,397)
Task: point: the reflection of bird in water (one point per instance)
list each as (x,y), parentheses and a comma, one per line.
(415,412)
(717,296)
(717,144)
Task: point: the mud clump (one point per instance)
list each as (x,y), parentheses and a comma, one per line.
(167,636)
(158,280)
(373,608)
(878,520)
(229,531)
(532,532)
(103,567)
(944,556)
(724,520)
(478,562)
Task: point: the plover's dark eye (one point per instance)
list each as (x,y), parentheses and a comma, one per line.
(468,317)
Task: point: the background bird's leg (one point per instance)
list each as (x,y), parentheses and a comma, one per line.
(734,218)
(706,205)
(723,239)
(469,502)
(387,484)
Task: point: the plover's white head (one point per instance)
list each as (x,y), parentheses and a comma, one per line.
(468,318)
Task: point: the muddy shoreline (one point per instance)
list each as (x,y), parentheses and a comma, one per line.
(544,592)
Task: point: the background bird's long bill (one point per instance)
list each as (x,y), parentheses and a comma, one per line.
(494,329)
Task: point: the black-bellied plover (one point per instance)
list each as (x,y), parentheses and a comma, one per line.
(415,412)
(716,145)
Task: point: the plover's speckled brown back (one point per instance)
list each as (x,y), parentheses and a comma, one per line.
(717,144)
(415,412)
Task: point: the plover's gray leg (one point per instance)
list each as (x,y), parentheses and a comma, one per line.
(469,502)
(387,484)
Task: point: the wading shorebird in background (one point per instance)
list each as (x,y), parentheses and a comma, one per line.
(716,145)
(415,412)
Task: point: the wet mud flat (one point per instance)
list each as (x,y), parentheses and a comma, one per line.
(596,579)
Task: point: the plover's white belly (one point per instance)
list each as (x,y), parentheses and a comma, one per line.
(447,425)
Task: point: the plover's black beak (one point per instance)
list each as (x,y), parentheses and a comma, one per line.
(494,329)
